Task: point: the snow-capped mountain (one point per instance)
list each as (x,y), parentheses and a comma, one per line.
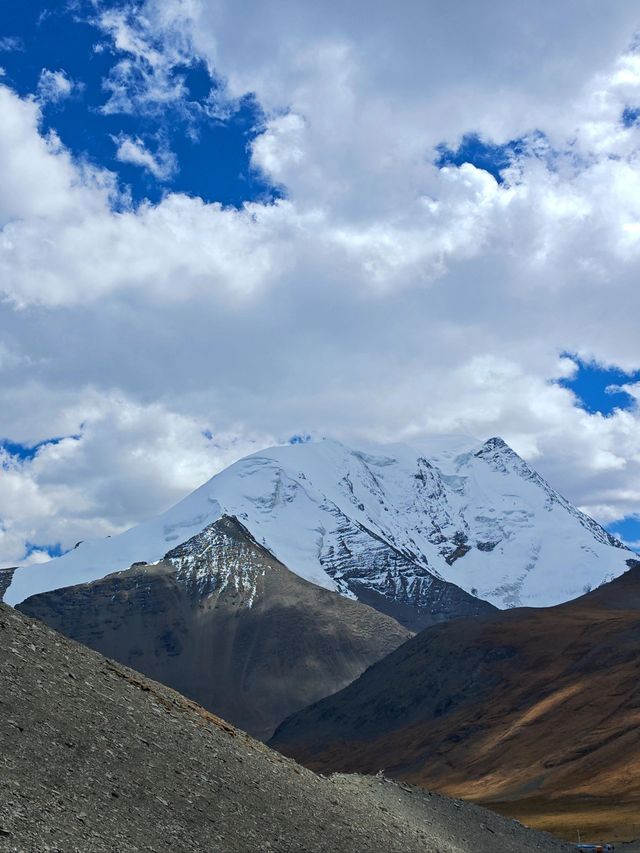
(429,530)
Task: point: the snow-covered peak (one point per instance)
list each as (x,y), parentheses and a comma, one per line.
(222,556)
(390,520)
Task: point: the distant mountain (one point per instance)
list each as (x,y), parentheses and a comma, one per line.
(534,711)
(222,621)
(424,536)
(97,758)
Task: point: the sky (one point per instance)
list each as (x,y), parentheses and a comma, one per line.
(228,225)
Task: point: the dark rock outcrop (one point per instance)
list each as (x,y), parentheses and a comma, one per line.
(5,579)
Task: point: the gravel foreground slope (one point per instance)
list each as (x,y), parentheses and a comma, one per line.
(95,758)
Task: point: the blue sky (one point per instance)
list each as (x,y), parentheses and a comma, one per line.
(600,389)
(211,152)
(282,253)
(26,453)
(628,530)
(482,154)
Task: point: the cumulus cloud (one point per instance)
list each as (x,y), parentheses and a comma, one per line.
(162,165)
(62,243)
(88,485)
(54,86)
(379,90)
(383,298)
(40,181)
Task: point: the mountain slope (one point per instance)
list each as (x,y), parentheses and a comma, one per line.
(389,524)
(223,622)
(96,758)
(535,708)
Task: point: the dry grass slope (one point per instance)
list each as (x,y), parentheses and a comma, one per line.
(533,712)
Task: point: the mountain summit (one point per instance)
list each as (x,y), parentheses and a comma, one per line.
(421,535)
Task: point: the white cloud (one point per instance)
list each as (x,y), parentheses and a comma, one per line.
(382,298)
(149,76)
(377,90)
(54,86)
(8,44)
(162,165)
(88,485)
(40,182)
(62,244)
(279,149)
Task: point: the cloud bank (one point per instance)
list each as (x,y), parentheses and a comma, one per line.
(382,298)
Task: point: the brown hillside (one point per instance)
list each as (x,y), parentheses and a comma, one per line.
(534,711)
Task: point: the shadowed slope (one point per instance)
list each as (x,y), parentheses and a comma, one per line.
(95,758)
(222,621)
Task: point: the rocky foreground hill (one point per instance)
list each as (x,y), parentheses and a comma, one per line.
(95,758)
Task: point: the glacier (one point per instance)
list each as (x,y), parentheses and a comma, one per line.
(393,520)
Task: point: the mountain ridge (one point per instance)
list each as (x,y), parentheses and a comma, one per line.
(386,522)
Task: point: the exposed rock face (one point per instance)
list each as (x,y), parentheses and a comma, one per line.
(394,577)
(537,707)
(96,758)
(438,601)
(6,575)
(222,621)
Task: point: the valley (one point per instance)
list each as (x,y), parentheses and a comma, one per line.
(534,710)
(359,611)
